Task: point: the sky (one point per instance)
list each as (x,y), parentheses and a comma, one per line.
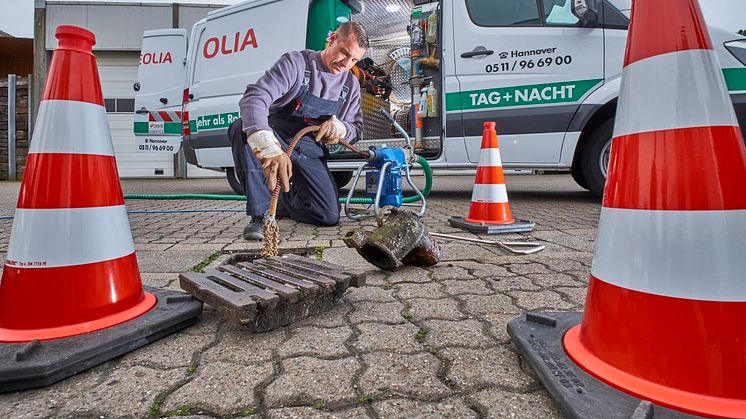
(17,17)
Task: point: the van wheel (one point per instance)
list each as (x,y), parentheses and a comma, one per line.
(596,155)
(236,185)
(577,176)
(342,178)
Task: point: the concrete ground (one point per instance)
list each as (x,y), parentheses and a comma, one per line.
(415,343)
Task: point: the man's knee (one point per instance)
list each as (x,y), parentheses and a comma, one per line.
(327,219)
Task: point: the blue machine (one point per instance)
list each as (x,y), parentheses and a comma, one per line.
(385,168)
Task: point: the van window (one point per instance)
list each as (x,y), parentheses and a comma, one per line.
(559,12)
(503,12)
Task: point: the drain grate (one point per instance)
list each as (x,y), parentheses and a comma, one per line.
(265,294)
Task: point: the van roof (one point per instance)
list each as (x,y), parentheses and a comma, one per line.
(238,7)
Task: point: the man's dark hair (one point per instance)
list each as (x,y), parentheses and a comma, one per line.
(355,29)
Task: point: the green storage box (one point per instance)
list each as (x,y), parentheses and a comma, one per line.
(322,19)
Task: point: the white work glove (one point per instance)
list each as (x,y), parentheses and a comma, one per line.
(331,131)
(274,161)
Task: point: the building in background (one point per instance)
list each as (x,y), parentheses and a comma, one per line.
(118,28)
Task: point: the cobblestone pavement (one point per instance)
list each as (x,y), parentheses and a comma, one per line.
(415,343)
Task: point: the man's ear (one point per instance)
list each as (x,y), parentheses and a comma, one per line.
(332,37)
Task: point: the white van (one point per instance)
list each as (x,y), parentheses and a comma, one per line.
(549,78)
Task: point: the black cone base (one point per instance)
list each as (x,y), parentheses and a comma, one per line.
(538,337)
(40,363)
(519,226)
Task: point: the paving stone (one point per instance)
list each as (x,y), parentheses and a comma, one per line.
(239,346)
(459,287)
(563,265)
(448,271)
(536,300)
(128,391)
(520,283)
(177,350)
(454,251)
(312,413)
(404,408)
(427,290)
(503,404)
(243,247)
(170,261)
(220,387)
(45,401)
(159,279)
(207,323)
(527,268)
(316,341)
(574,294)
(377,278)
(334,317)
(346,256)
(382,337)
(390,374)
(375,294)
(408,274)
(211,247)
(499,325)
(484,270)
(488,304)
(580,276)
(306,380)
(365,311)
(554,280)
(497,366)
(466,333)
(444,308)
(139,247)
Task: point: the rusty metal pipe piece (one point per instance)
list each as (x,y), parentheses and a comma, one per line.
(400,239)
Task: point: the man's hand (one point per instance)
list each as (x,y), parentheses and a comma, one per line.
(331,131)
(275,162)
(279,165)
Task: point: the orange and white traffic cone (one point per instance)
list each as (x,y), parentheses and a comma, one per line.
(489,212)
(667,297)
(71,268)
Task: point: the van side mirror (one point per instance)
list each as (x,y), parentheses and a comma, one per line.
(136,86)
(586,11)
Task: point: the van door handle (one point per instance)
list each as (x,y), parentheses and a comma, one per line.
(142,111)
(477,52)
(163,100)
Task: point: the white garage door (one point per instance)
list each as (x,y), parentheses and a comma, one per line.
(118,72)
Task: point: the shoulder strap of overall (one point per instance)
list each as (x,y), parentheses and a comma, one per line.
(306,71)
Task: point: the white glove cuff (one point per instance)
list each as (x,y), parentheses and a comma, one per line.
(264,144)
(339,127)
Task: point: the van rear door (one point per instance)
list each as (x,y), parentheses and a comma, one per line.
(160,82)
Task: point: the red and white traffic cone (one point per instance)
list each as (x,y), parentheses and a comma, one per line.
(665,310)
(489,211)
(71,267)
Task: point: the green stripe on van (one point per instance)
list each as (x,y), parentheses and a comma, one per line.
(210,122)
(169,128)
(735,79)
(526,95)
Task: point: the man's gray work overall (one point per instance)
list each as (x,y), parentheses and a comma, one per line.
(313,196)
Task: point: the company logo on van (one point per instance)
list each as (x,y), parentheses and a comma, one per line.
(156,58)
(214,46)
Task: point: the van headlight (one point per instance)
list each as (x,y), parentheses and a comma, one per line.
(738,49)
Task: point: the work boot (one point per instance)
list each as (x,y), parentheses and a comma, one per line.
(254,230)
